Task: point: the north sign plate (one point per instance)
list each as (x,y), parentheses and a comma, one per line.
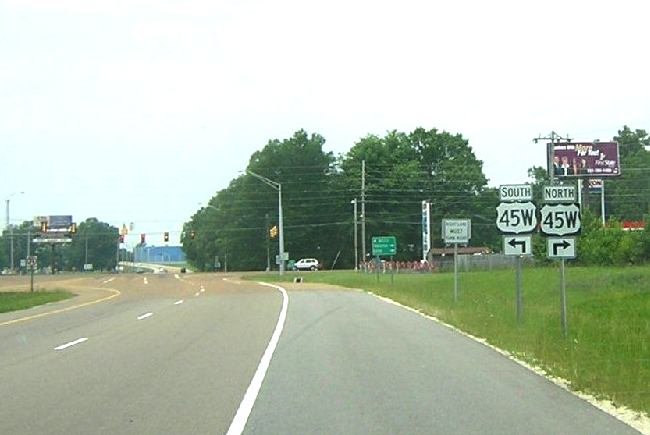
(384,245)
(516,217)
(560,219)
(560,194)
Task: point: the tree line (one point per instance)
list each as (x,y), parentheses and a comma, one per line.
(402,169)
(95,242)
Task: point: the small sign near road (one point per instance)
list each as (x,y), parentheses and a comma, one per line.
(561,219)
(516,217)
(456,230)
(516,192)
(517,245)
(561,247)
(384,246)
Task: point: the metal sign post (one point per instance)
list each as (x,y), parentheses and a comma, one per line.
(455,231)
(516,215)
(560,220)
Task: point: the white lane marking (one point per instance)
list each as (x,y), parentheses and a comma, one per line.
(144,316)
(178,302)
(202,289)
(176,276)
(246,405)
(108,280)
(145,280)
(72,343)
(197,293)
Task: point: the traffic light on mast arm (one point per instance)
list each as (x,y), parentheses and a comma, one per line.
(73,228)
(121,238)
(166,236)
(43,227)
(142,238)
(273,232)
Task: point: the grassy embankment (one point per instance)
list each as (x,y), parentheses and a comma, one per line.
(607,352)
(13,301)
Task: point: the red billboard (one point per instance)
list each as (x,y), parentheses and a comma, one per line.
(584,159)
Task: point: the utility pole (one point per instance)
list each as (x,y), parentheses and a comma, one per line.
(11,232)
(363,210)
(553,137)
(356,248)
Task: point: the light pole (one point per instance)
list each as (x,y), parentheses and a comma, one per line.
(11,232)
(356,249)
(277,186)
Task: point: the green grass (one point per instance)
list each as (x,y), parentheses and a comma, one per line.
(13,301)
(607,352)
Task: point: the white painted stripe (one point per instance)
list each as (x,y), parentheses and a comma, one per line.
(144,316)
(108,280)
(145,280)
(72,343)
(246,405)
(197,293)
(176,276)
(178,302)
(202,289)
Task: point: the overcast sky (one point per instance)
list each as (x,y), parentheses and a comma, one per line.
(138,110)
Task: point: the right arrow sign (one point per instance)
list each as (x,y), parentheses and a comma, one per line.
(561,247)
(517,245)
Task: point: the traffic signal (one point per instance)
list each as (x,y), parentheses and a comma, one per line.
(166,236)
(273,232)
(73,228)
(192,234)
(43,227)
(121,238)
(142,237)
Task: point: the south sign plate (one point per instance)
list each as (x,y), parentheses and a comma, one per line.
(516,217)
(560,219)
(515,192)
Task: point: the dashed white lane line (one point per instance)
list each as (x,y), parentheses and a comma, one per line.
(144,316)
(246,405)
(145,280)
(202,289)
(72,343)
(108,280)
(178,302)
(197,293)
(177,276)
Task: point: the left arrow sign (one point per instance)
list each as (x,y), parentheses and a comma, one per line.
(517,245)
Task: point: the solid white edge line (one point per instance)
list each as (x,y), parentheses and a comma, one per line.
(178,302)
(246,406)
(144,316)
(71,343)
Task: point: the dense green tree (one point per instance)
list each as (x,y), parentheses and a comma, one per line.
(94,242)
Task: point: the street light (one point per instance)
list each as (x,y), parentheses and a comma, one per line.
(277,186)
(11,232)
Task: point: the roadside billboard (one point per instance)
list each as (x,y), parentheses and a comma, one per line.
(59,222)
(584,159)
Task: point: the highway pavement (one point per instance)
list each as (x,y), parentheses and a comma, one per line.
(178,354)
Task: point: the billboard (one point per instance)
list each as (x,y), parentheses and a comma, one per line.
(584,159)
(426,228)
(59,222)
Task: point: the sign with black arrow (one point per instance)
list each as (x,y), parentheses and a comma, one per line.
(561,247)
(517,245)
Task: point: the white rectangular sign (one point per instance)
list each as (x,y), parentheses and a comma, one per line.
(456,230)
(516,192)
(560,194)
(518,245)
(561,247)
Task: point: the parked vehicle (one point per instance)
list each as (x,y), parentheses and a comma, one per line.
(307,264)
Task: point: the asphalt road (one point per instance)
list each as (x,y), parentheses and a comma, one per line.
(142,362)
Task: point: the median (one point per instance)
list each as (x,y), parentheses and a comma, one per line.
(17,300)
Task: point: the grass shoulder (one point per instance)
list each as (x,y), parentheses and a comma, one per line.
(17,300)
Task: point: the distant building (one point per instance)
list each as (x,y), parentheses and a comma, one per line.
(159,254)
